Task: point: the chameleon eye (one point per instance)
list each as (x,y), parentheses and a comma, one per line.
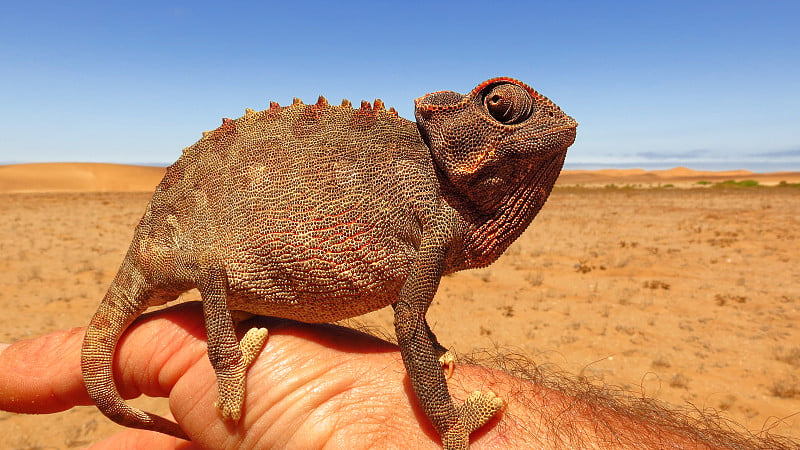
(508,103)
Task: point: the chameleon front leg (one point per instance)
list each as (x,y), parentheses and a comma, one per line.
(229,357)
(446,358)
(418,348)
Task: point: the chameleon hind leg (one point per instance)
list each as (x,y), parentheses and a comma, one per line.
(229,357)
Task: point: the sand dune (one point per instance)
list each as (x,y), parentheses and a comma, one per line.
(78,177)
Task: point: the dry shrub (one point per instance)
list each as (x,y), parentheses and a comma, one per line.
(786,387)
(790,356)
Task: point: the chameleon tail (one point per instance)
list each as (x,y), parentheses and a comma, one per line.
(125,300)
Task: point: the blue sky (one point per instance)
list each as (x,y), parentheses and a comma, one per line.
(703,84)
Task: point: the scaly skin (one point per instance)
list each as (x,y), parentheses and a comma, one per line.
(318,213)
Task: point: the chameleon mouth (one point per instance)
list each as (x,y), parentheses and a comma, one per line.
(569,124)
(568,131)
(564,128)
(555,140)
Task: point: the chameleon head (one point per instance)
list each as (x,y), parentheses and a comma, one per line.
(489,141)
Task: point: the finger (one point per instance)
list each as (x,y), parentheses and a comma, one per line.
(158,349)
(42,375)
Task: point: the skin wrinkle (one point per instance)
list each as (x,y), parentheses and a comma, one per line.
(325,409)
(322,393)
(163,362)
(142,384)
(287,393)
(168,382)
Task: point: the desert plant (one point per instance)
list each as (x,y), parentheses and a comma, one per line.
(737,184)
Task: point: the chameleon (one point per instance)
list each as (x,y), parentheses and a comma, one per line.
(317,213)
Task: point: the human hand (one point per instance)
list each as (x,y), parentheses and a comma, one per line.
(315,386)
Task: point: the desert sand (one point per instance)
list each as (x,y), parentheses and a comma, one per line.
(679,291)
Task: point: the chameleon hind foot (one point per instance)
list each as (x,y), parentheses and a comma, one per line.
(231,388)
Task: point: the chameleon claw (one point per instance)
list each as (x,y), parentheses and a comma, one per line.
(448,362)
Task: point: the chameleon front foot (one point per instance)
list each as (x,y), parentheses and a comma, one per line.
(231,384)
(478,409)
